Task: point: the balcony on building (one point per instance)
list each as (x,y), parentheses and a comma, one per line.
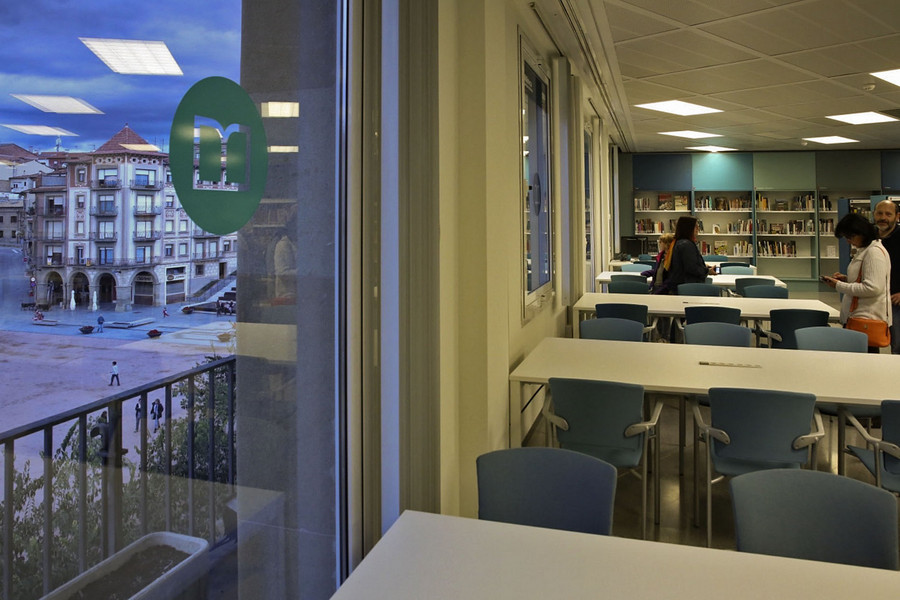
(198,256)
(54,260)
(104,209)
(107,183)
(146,235)
(142,210)
(201,233)
(52,210)
(102,237)
(144,183)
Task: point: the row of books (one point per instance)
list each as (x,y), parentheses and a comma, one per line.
(805,202)
(725,248)
(826,225)
(776,248)
(651,226)
(793,227)
(721,203)
(741,226)
(663,202)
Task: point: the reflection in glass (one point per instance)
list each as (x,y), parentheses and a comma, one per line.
(536,179)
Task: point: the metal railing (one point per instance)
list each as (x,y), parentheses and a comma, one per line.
(207,395)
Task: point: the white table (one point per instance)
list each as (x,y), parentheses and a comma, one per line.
(436,557)
(664,305)
(721,280)
(845,377)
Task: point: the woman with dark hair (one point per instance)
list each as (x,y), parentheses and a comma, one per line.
(684,263)
(866,287)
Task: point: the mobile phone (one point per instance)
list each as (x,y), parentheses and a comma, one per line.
(823,278)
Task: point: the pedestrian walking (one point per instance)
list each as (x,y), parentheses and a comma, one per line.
(156,412)
(137,414)
(100,321)
(114,373)
(165,311)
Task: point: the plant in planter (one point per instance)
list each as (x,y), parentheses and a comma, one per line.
(154,333)
(187,310)
(85,329)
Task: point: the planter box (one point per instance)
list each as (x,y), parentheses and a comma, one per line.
(187,579)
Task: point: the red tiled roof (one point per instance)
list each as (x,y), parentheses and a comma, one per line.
(16,153)
(126,136)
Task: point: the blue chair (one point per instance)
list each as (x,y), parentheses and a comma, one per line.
(699,289)
(717,334)
(753,430)
(546,487)
(882,456)
(733,264)
(815,516)
(648,257)
(649,263)
(623,276)
(624,310)
(617,286)
(706,313)
(764,291)
(742,282)
(611,328)
(783,322)
(714,258)
(604,419)
(736,270)
(634,267)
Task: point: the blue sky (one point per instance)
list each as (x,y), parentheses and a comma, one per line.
(43,55)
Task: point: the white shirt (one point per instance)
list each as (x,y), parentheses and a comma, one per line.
(873,289)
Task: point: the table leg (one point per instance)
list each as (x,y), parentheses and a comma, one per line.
(515,413)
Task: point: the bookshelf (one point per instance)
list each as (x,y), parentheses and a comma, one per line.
(786,243)
(726,223)
(656,212)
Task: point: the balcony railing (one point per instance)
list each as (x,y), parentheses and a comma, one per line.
(104,237)
(107,183)
(179,480)
(198,232)
(57,210)
(205,256)
(146,210)
(104,210)
(143,236)
(143,184)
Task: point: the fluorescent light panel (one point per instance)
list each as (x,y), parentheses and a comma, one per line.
(284,149)
(677,107)
(694,135)
(141,147)
(38,129)
(711,148)
(889,76)
(280,110)
(134,57)
(830,139)
(862,118)
(58,104)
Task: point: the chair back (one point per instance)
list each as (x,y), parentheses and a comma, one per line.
(890,432)
(762,424)
(625,276)
(649,263)
(733,264)
(785,321)
(646,257)
(714,258)
(764,291)
(742,282)
(815,516)
(598,413)
(546,487)
(617,286)
(736,270)
(622,310)
(635,267)
(705,313)
(835,339)
(699,289)
(717,334)
(611,328)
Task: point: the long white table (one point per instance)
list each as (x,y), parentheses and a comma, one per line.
(845,377)
(724,281)
(436,557)
(673,306)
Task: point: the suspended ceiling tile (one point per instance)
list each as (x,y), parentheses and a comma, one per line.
(678,51)
(627,24)
(733,77)
(693,12)
(844,59)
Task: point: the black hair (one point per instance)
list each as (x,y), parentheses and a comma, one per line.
(856,224)
(684,228)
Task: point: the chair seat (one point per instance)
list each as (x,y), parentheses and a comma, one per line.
(889,481)
(617,457)
(734,466)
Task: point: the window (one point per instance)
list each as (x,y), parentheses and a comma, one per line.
(1,233)
(106,230)
(53,230)
(144,177)
(143,229)
(213,249)
(107,204)
(170,201)
(108,176)
(226,246)
(182,249)
(142,254)
(198,269)
(13,219)
(79,227)
(144,203)
(182,226)
(170,226)
(81,174)
(105,256)
(79,200)
(169,249)
(535,126)
(1,218)
(54,206)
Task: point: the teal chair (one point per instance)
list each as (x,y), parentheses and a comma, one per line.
(753,430)
(648,263)
(815,516)
(837,339)
(699,289)
(717,334)
(714,258)
(764,291)
(706,313)
(634,267)
(733,264)
(742,282)
(783,322)
(625,310)
(611,328)
(736,270)
(643,257)
(882,456)
(604,419)
(618,286)
(624,276)
(546,487)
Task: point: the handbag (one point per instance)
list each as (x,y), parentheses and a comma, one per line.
(878,332)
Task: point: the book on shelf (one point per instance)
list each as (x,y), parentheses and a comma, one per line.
(762,203)
(740,203)
(720,247)
(721,203)
(681,202)
(642,204)
(672,225)
(824,203)
(780,205)
(826,225)
(665,202)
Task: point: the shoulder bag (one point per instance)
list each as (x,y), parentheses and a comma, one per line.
(877,330)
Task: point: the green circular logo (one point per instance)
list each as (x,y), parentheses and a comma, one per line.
(218,155)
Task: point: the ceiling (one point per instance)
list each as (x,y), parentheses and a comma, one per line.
(775,68)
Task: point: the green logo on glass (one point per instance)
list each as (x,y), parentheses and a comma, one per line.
(218,155)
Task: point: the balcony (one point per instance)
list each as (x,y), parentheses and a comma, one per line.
(147,211)
(107,183)
(104,210)
(139,183)
(181,481)
(127,263)
(198,256)
(146,236)
(55,210)
(51,237)
(200,233)
(104,237)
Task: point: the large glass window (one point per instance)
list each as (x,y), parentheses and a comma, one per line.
(537,211)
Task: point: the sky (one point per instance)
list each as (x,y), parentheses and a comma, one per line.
(43,55)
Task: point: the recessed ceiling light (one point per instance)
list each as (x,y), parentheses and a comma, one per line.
(58,104)
(275,110)
(677,107)
(711,148)
(862,118)
(889,76)
(830,139)
(134,57)
(38,129)
(694,135)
